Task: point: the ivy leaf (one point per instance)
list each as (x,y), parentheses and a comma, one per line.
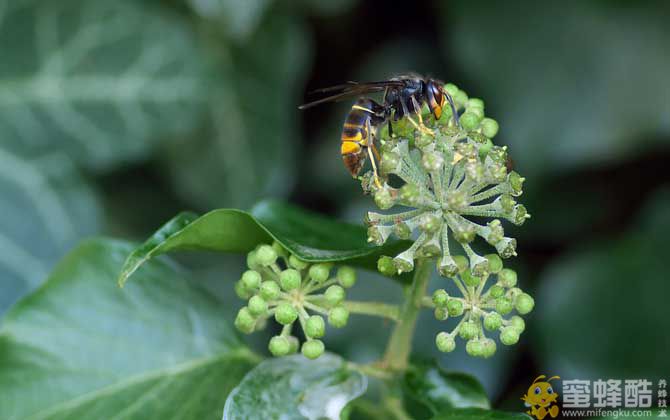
(479,414)
(309,236)
(296,388)
(237,19)
(564,96)
(247,149)
(428,385)
(81,348)
(623,279)
(99,80)
(46,208)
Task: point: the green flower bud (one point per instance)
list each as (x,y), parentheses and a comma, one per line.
(422,140)
(266,255)
(410,195)
(315,327)
(498,154)
(475,103)
(470,279)
(506,247)
(471,119)
(279,249)
(496,232)
(524,303)
(479,266)
(497,173)
(252,261)
(504,306)
(516,182)
(462,262)
(441,314)
(390,162)
(241,291)
(269,290)
(312,349)
(457,200)
(495,263)
(493,321)
(507,278)
(489,127)
(384,198)
(496,291)
(488,347)
(475,348)
(430,248)
(460,99)
(245,321)
(430,223)
(338,317)
(513,293)
(507,203)
(403,262)
(334,295)
(402,230)
(289,279)
(346,276)
(445,342)
(251,280)
(509,336)
(257,305)
(468,330)
(519,215)
(319,272)
(464,233)
(440,298)
(279,346)
(297,263)
(285,313)
(451,89)
(447,266)
(455,307)
(385,266)
(484,150)
(376,235)
(432,162)
(294,344)
(517,323)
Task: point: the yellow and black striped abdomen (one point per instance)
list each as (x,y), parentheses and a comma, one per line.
(355,136)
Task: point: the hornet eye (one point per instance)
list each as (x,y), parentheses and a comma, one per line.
(537,390)
(550,391)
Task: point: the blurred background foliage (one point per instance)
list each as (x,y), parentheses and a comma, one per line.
(116,115)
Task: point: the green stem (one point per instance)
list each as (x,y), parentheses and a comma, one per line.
(400,343)
(383,310)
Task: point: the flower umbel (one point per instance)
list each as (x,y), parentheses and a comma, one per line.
(482,309)
(448,175)
(282,286)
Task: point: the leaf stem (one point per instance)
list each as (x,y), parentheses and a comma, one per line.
(400,343)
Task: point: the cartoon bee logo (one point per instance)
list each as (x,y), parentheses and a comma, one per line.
(541,398)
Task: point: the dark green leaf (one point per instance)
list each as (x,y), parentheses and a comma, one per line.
(46,209)
(479,414)
(81,348)
(562,95)
(248,147)
(610,298)
(100,80)
(295,388)
(311,237)
(429,385)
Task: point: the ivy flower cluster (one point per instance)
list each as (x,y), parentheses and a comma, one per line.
(482,309)
(280,285)
(449,173)
(445,176)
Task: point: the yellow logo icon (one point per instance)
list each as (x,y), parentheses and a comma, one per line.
(541,398)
